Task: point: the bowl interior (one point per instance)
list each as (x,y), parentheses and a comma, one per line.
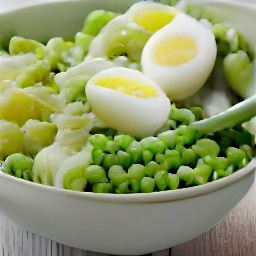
(66,216)
(43,21)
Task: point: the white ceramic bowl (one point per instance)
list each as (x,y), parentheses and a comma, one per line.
(116,224)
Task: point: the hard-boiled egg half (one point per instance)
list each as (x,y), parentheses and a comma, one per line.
(128,101)
(151,16)
(180,56)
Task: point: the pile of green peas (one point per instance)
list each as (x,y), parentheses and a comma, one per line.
(177,158)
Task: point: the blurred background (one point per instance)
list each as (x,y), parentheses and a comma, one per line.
(12,4)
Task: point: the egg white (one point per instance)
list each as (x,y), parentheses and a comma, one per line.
(139,117)
(183,80)
(140,8)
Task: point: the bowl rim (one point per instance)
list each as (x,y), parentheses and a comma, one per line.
(153,197)
(31,5)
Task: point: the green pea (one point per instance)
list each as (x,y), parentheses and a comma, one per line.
(97,156)
(117,175)
(124,159)
(95,174)
(217,163)
(103,188)
(168,138)
(159,158)
(147,185)
(186,174)
(218,174)
(182,115)
(112,147)
(198,113)
(134,149)
(172,160)
(185,135)
(147,156)
(189,157)
(109,160)
(153,144)
(173,181)
(202,173)
(99,141)
(248,151)
(123,188)
(135,184)
(206,147)
(235,155)
(137,172)
(124,141)
(152,168)
(161,178)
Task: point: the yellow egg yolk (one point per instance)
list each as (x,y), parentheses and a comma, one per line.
(175,51)
(153,20)
(127,86)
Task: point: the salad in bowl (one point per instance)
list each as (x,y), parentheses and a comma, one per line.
(145,105)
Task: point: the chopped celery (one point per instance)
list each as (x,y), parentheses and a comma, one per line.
(11,139)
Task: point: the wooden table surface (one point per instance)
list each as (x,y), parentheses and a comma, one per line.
(235,235)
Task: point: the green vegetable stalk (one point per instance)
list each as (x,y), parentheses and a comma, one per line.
(237,114)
